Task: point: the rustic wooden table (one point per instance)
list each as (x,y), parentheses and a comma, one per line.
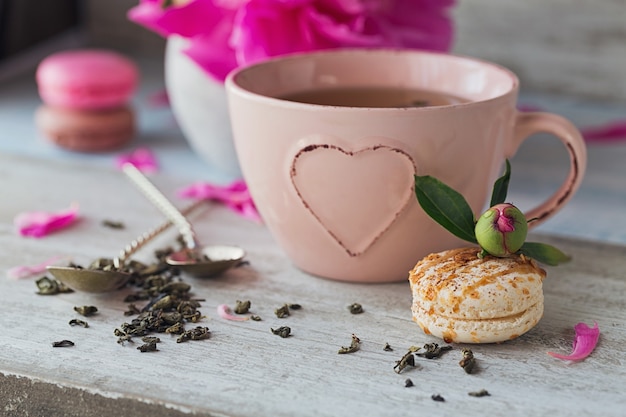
(244,369)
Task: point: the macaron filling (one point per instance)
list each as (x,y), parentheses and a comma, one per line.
(494,330)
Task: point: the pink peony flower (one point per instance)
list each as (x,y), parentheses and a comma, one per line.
(225,34)
(501,230)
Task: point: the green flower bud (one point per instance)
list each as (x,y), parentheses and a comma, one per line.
(501,230)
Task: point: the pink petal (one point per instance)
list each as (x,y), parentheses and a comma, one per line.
(142,158)
(234,195)
(247,210)
(40,223)
(26,271)
(584,343)
(226,313)
(607,133)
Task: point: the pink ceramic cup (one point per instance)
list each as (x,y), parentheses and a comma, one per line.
(335,185)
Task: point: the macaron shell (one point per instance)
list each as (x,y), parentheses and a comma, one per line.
(462,298)
(497,330)
(86,131)
(458,284)
(86,79)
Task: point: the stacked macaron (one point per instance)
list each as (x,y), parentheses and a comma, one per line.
(86,95)
(462,298)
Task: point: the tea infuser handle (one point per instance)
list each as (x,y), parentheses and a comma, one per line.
(163,204)
(146,237)
(535,122)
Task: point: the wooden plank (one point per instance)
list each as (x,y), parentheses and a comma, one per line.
(246,370)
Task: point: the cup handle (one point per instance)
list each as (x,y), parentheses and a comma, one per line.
(527,124)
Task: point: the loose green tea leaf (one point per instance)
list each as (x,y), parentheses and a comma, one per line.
(544,253)
(86,310)
(481,393)
(169,305)
(407,360)
(150,339)
(283,331)
(176,328)
(282,312)
(199,333)
(468,363)
(255,318)
(437,397)
(354,346)
(242,307)
(387,348)
(122,337)
(408,383)
(76,322)
(132,310)
(501,186)
(148,347)
(150,344)
(49,286)
(355,308)
(163,303)
(112,224)
(63,343)
(295,306)
(446,206)
(433,350)
(175,287)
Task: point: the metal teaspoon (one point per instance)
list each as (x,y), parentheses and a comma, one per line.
(195,260)
(100,281)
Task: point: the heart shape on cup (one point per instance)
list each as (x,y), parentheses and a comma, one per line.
(355,195)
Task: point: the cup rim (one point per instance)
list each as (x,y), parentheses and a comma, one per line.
(233,84)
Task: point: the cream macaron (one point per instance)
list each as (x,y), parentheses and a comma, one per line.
(462,298)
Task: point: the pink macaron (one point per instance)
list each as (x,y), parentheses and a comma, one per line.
(86,79)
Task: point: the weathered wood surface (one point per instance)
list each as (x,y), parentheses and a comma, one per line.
(245,370)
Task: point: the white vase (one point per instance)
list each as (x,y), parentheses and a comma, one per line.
(200,108)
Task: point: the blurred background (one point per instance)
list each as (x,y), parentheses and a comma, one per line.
(570,56)
(576,47)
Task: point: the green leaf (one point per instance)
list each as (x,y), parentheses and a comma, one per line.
(544,253)
(446,206)
(501,186)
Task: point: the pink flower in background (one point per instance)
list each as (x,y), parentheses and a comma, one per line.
(225,34)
